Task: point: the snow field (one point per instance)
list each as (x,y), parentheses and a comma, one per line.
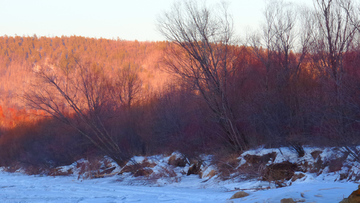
(321,187)
(22,188)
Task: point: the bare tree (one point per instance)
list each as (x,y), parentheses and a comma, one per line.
(81,99)
(280,36)
(334,34)
(201,52)
(128,84)
(282,48)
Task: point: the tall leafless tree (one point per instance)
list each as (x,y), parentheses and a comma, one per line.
(201,52)
(281,46)
(334,35)
(284,31)
(128,84)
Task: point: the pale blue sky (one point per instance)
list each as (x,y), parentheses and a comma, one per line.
(126,19)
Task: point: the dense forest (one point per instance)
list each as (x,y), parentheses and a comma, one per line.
(201,91)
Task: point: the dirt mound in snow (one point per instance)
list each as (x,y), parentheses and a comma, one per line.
(279,171)
(255,159)
(240,194)
(354,197)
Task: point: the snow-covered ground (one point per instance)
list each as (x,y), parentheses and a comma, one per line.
(312,190)
(326,187)
(16,187)
(22,188)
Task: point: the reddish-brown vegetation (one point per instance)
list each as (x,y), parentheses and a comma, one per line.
(63,98)
(168,116)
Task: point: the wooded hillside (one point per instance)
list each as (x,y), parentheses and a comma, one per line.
(19,56)
(201,92)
